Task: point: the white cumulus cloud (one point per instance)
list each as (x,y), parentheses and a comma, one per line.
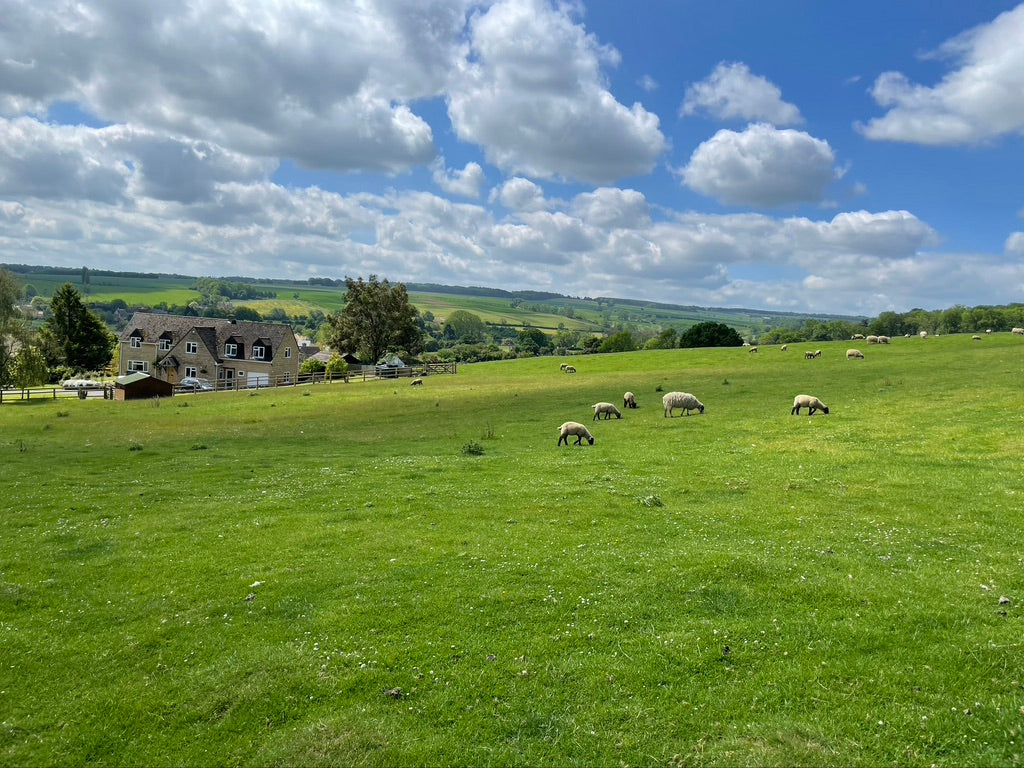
(733,92)
(761,166)
(533,95)
(981,99)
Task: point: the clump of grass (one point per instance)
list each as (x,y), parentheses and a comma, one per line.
(725,382)
(659,388)
(473,449)
(62,414)
(184,404)
(197,447)
(651,500)
(133,446)
(488,433)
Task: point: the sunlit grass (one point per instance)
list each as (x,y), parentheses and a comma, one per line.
(325,576)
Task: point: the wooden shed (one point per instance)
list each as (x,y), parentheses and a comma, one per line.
(141,386)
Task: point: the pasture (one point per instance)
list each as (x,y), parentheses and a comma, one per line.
(378,574)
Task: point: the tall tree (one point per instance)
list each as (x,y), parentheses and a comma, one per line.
(377,318)
(14,328)
(710,335)
(73,335)
(465,326)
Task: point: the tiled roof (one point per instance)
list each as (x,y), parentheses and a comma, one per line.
(213,331)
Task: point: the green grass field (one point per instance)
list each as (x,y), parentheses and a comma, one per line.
(334,575)
(299,299)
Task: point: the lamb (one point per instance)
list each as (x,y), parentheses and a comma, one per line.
(854,353)
(810,402)
(416,382)
(857,337)
(784,347)
(571,428)
(607,409)
(563,366)
(683,400)
(628,400)
(570,369)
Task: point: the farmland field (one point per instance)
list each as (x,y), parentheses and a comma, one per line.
(298,299)
(379,574)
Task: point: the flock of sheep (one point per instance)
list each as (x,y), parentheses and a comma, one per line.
(671,401)
(686,402)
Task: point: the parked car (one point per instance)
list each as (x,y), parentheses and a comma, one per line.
(81,384)
(195,384)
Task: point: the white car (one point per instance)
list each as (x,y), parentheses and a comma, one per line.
(195,384)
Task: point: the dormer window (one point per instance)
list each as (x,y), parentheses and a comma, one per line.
(136,342)
(165,345)
(230,350)
(258,352)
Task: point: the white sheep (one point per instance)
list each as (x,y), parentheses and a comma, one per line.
(852,354)
(975,337)
(682,400)
(570,369)
(571,428)
(884,339)
(923,335)
(872,339)
(628,400)
(608,409)
(752,349)
(784,347)
(416,382)
(810,402)
(857,337)
(563,366)
(1019,331)
(809,355)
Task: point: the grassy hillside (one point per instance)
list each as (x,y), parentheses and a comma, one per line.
(336,575)
(299,298)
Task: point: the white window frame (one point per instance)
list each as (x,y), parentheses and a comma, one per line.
(230,349)
(135,342)
(259,352)
(165,345)
(190,370)
(138,365)
(191,347)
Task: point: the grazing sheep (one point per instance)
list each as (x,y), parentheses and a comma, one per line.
(570,369)
(809,355)
(682,400)
(563,366)
(923,335)
(607,409)
(752,349)
(975,337)
(810,402)
(571,428)
(628,400)
(988,330)
(1019,331)
(872,339)
(784,347)
(884,339)
(854,353)
(416,382)
(857,337)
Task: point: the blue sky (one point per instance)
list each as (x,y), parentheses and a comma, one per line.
(806,156)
